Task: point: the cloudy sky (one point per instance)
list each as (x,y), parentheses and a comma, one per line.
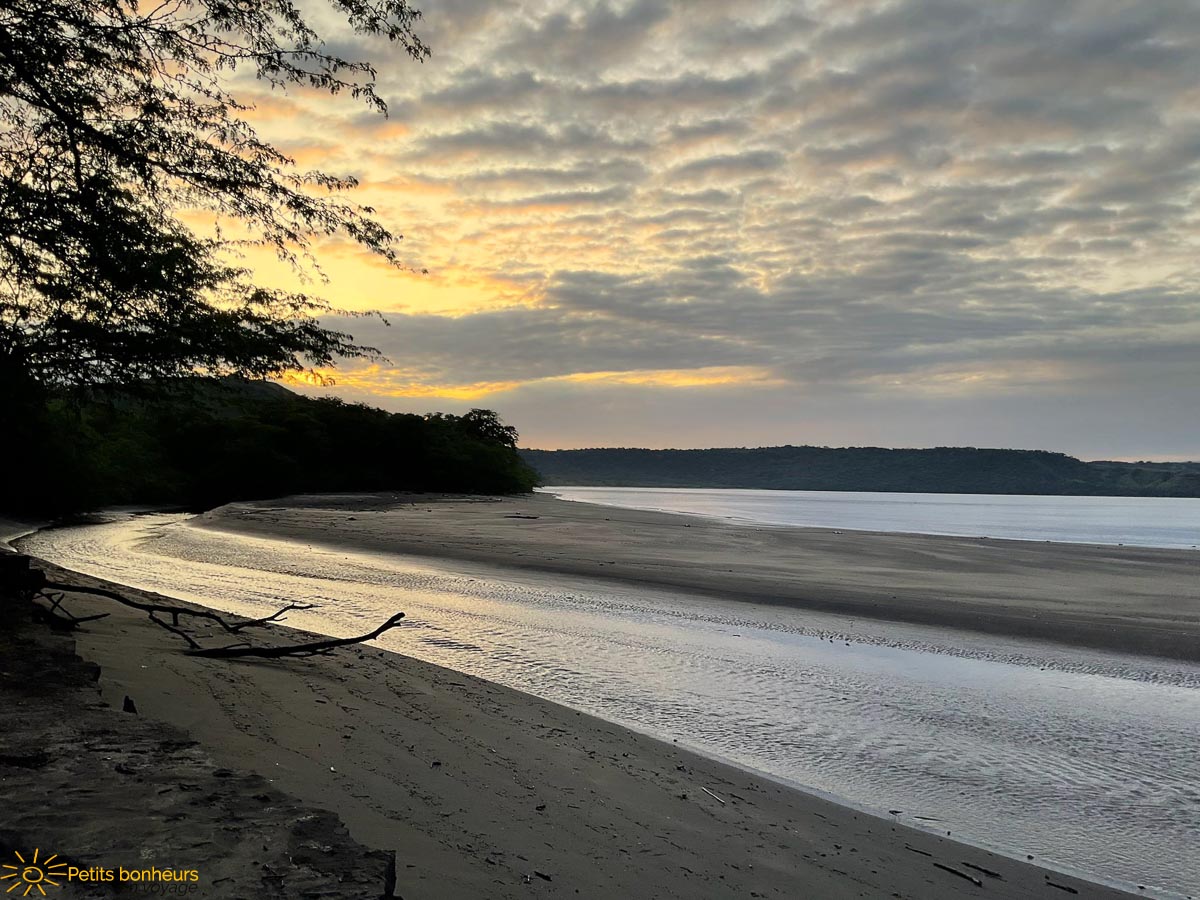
(692,223)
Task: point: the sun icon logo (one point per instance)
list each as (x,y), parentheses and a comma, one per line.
(33,875)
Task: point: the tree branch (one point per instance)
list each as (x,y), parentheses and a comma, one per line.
(235,651)
(175,612)
(159,613)
(57,617)
(271,619)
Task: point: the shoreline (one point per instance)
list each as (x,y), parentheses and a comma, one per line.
(644,822)
(1133,600)
(13,530)
(740,522)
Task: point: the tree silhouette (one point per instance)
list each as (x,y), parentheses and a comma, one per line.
(115,118)
(485,425)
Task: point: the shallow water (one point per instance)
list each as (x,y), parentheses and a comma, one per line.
(1082,758)
(1134,521)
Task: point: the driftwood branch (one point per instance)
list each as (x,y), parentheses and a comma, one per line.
(59,618)
(236,651)
(175,630)
(170,618)
(271,619)
(176,612)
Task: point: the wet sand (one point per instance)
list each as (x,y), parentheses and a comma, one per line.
(1125,599)
(484,792)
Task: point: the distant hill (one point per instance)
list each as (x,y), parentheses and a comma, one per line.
(949,470)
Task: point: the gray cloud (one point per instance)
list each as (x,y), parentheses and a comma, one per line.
(525,344)
(582,37)
(509,140)
(923,200)
(729,165)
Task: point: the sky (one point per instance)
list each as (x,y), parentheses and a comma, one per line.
(687,223)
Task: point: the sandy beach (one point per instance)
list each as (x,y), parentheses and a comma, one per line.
(102,788)
(600,449)
(484,792)
(1125,599)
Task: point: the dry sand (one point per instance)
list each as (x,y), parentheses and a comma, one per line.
(1127,599)
(93,786)
(484,792)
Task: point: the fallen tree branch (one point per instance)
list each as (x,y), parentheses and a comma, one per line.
(175,612)
(57,617)
(271,619)
(236,651)
(168,617)
(56,607)
(175,630)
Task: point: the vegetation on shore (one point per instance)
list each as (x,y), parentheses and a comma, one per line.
(200,443)
(951,470)
(132,182)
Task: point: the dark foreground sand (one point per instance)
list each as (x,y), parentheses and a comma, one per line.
(92,786)
(478,791)
(1128,599)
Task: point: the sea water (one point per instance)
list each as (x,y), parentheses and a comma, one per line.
(1134,521)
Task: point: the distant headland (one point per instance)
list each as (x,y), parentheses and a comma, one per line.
(949,470)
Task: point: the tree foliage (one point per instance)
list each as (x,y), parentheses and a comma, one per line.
(117,116)
(212,442)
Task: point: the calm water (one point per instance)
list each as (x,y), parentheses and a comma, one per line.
(1081,758)
(1136,521)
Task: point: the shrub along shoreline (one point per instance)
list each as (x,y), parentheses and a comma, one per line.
(201,442)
